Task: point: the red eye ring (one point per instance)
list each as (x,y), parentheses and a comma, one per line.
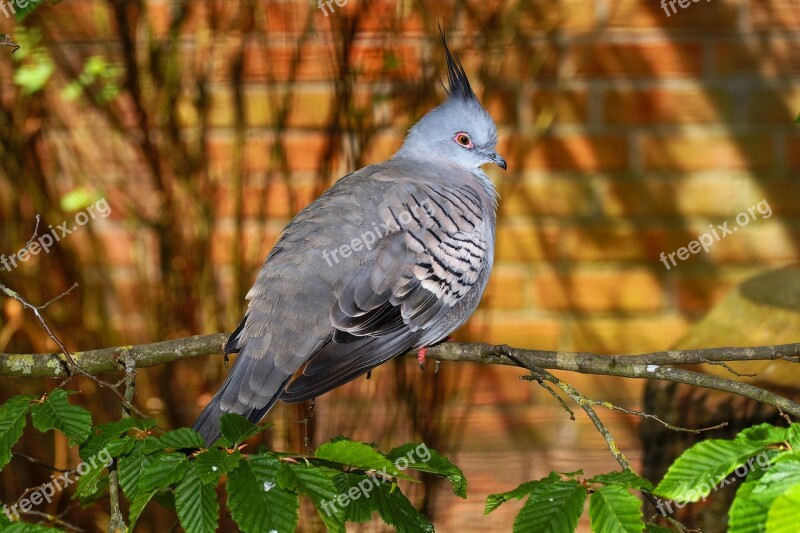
(462,139)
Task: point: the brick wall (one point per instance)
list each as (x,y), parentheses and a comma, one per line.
(627,133)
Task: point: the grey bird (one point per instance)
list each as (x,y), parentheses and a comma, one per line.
(392,257)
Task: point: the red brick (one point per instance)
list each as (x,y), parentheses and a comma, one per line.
(567,152)
(773,15)
(775,56)
(666,106)
(521,241)
(648,14)
(565,107)
(646,60)
(626,336)
(708,152)
(515,330)
(778,106)
(626,290)
(545,194)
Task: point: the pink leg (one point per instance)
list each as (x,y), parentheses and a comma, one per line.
(421,357)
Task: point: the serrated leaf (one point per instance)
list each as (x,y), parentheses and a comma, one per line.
(55,412)
(88,483)
(255,500)
(236,429)
(612,509)
(764,434)
(212,464)
(196,504)
(699,469)
(138,503)
(130,469)
(105,433)
(318,484)
(12,423)
(793,436)
(354,496)
(493,501)
(162,471)
(183,438)
(624,478)
(395,509)
(423,459)
(552,508)
(748,513)
(359,455)
(782,515)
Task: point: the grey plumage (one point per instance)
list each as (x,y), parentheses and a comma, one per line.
(393,257)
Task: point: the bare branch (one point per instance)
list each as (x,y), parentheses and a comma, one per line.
(656,365)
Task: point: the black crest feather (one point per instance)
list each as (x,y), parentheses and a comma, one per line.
(456,76)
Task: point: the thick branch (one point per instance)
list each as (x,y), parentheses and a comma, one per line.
(656,365)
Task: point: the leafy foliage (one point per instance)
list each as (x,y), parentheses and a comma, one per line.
(766,456)
(345,480)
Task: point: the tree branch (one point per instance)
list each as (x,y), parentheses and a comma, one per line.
(656,365)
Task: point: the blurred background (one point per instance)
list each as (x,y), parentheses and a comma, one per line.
(206,125)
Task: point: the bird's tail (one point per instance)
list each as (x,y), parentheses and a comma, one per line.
(208,423)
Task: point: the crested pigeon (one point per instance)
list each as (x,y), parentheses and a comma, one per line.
(391,258)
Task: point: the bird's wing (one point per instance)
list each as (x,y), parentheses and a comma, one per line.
(431,258)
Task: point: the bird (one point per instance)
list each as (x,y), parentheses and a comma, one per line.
(392,258)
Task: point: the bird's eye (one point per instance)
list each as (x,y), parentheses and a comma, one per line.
(463,139)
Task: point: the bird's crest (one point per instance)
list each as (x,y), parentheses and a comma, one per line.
(456,76)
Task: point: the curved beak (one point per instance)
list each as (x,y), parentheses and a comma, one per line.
(495,158)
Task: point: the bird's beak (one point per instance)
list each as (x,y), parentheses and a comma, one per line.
(495,158)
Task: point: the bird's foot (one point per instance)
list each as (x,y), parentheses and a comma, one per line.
(421,353)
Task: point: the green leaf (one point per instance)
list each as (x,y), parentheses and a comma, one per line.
(12,423)
(255,500)
(183,438)
(612,509)
(764,434)
(138,503)
(782,516)
(354,496)
(162,471)
(625,478)
(318,484)
(793,436)
(212,464)
(88,483)
(359,455)
(755,496)
(496,500)
(104,434)
(55,412)
(552,508)
(236,429)
(699,469)
(196,504)
(395,509)
(22,12)
(421,458)
(130,469)
(33,77)
(79,198)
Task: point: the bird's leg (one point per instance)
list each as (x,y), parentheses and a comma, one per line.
(421,357)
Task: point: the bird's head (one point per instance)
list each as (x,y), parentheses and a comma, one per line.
(460,130)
